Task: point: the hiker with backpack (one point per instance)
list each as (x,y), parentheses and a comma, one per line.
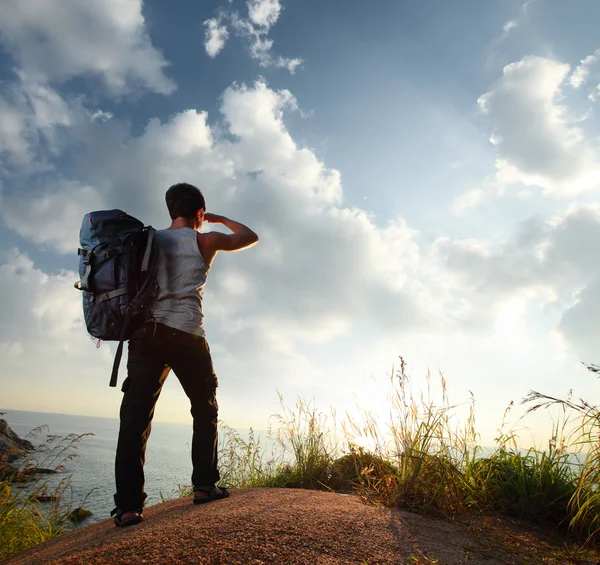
(163,320)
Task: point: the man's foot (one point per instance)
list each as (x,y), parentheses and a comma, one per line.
(208,493)
(126,518)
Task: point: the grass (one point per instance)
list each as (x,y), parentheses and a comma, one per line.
(584,504)
(425,459)
(25,521)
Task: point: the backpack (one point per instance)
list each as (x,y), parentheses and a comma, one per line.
(117,265)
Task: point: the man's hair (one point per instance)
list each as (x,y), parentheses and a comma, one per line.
(184,200)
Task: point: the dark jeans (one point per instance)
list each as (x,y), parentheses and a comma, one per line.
(154,350)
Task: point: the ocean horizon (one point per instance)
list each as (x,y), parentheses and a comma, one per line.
(92,484)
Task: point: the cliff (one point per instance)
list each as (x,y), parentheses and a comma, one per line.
(11,445)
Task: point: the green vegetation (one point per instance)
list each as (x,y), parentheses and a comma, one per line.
(31,494)
(424,461)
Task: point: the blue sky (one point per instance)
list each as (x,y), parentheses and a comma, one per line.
(424,178)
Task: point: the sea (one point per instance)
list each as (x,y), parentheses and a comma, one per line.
(91,471)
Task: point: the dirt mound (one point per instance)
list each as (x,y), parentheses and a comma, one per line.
(255,526)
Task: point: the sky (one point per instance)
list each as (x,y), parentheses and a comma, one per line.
(423,176)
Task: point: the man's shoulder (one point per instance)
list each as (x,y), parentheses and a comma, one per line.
(206,246)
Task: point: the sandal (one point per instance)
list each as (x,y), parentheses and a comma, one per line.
(210,494)
(124,518)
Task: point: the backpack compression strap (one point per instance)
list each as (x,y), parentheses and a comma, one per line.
(84,284)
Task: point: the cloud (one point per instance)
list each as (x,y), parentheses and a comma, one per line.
(13,132)
(325,277)
(262,15)
(49,313)
(31,115)
(507,29)
(44,345)
(536,142)
(50,216)
(508,26)
(581,73)
(101,115)
(322,270)
(340,268)
(56,40)
(264,12)
(579,324)
(548,263)
(467,200)
(215,37)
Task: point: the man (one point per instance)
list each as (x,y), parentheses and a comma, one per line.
(174,339)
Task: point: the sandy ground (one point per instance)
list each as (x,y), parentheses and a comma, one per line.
(256,526)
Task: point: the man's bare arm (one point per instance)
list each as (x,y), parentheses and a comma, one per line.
(241,238)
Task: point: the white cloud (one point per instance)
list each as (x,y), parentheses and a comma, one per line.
(512,24)
(522,22)
(101,116)
(289,64)
(262,15)
(59,39)
(32,113)
(264,12)
(215,37)
(548,263)
(536,142)
(325,277)
(13,132)
(36,305)
(341,270)
(579,324)
(581,73)
(50,216)
(311,245)
(44,345)
(467,200)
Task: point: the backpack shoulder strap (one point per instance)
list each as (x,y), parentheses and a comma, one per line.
(133,307)
(149,241)
(115,370)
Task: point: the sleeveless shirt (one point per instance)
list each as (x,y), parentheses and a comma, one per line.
(181,277)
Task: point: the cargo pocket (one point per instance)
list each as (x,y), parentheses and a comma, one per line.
(126,384)
(211,385)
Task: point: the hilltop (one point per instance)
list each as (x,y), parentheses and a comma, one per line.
(283,526)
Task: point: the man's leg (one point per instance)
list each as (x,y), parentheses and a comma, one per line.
(146,374)
(194,369)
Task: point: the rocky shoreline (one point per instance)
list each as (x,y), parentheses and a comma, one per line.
(11,445)
(14,449)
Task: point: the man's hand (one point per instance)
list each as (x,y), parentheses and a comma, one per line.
(213,218)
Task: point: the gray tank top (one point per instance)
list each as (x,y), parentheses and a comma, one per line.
(182,273)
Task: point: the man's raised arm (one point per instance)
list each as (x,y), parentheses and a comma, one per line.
(241,238)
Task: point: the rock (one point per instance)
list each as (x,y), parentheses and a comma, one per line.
(38,471)
(79,515)
(45,498)
(17,476)
(11,445)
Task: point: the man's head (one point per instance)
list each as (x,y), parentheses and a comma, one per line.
(185,201)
